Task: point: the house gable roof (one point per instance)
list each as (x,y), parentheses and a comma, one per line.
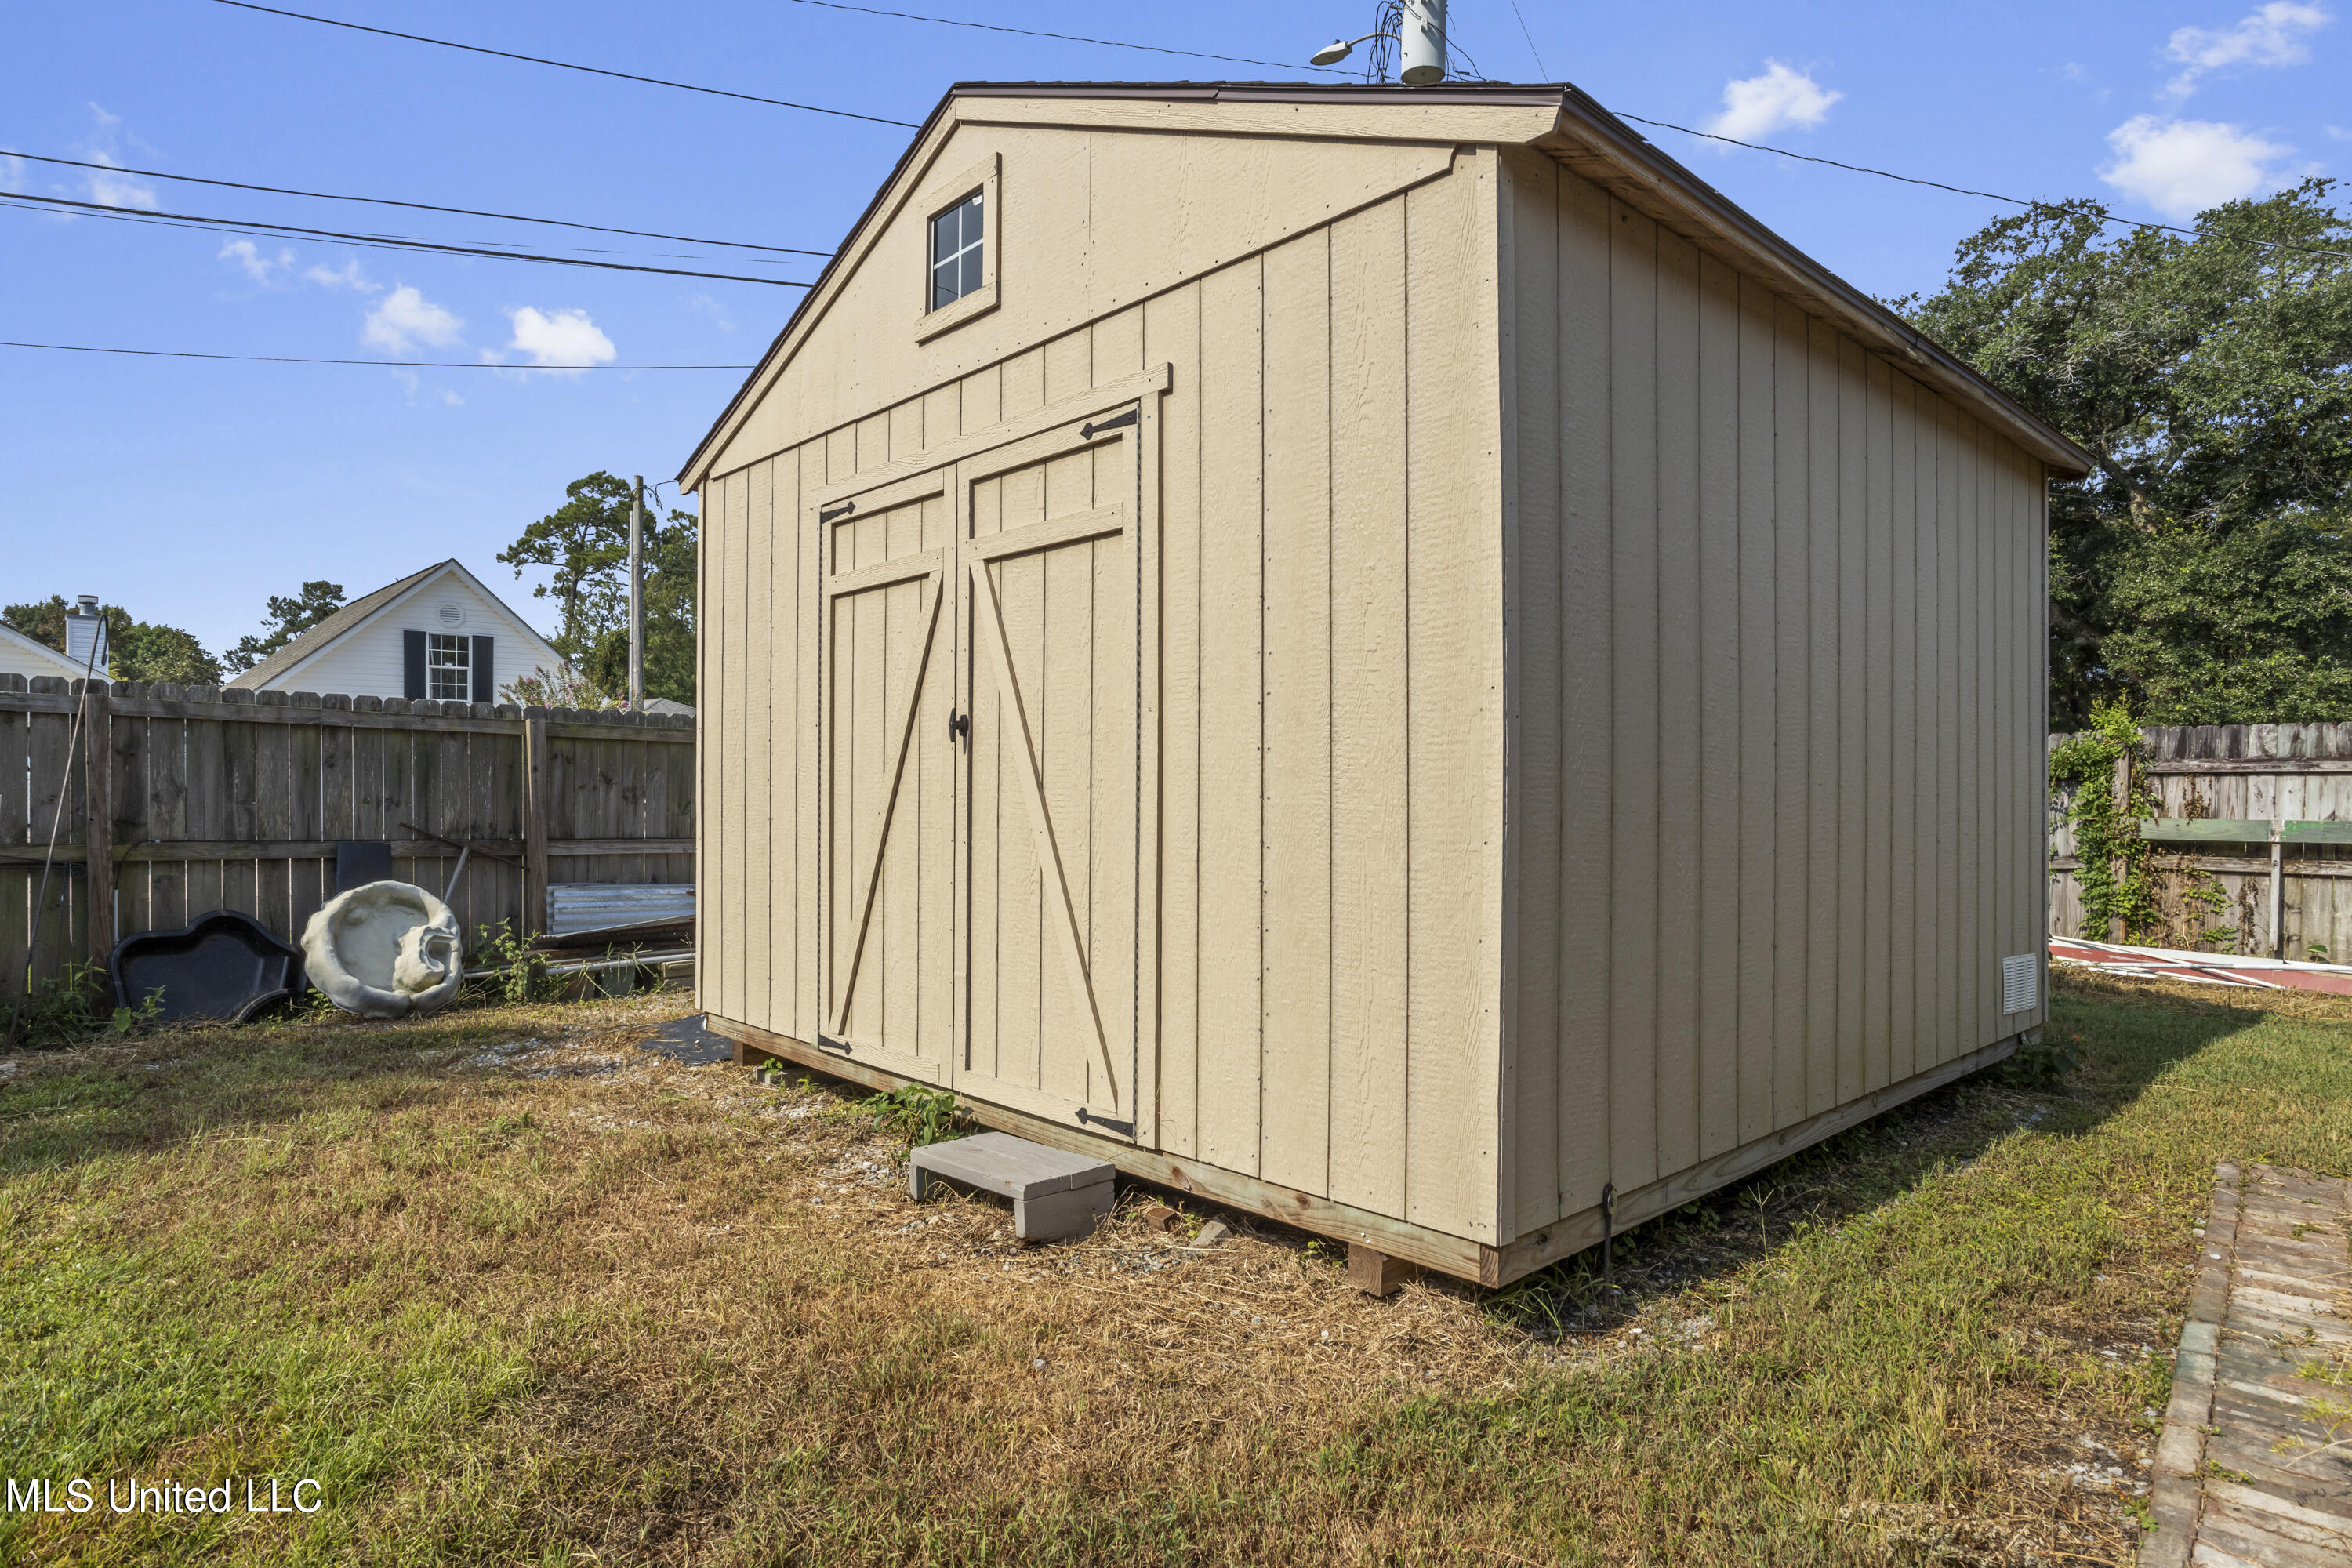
(360,611)
(38,651)
(1558,119)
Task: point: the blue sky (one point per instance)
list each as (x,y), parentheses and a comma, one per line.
(189,491)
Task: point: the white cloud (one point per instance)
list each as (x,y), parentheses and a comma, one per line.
(2276,34)
(566,339)
(1756,105)
(2339,133)
(108,189)
(257,266)
(347,276)
(2180,167)
(412,384)
(713,309)
(406,319)
(113,190)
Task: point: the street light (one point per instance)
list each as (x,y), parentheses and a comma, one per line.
(1338,49)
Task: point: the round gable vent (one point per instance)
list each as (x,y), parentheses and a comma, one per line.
(451,616)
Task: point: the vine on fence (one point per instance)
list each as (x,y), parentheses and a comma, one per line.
(2116,879)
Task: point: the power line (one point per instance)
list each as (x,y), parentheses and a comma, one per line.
(1530,37)
(379,363)
(1067,38)
(261,230)
(418,206)
(1964,190)
(567,65)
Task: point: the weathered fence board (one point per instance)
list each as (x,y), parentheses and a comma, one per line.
(217,799)
(2257,775)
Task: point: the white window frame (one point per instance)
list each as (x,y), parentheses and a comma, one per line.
(437,646)
(976,249)
(981,180)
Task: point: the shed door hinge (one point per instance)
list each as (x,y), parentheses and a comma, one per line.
(1088,432)
(826,1043)
(831,513)
(1124,1129)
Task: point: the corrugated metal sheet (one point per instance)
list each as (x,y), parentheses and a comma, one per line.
(593,906)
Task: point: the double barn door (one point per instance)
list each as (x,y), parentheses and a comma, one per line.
(980,680)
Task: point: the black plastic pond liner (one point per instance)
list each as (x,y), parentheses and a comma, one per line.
(223,965)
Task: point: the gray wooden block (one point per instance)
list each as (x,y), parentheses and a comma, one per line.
(1054,1195)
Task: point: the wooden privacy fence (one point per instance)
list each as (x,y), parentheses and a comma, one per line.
(182,800)
(2261,814)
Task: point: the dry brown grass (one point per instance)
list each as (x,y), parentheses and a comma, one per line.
(523,1291)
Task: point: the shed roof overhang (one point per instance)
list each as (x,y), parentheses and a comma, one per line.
(1559,121)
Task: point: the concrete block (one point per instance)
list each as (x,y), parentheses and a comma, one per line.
(1054,1195)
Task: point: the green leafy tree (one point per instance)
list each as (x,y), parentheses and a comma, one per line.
(135,649)
(288,618)
(2201,571)
(584,546)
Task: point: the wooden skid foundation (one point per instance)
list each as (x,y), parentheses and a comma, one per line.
(1396,1243)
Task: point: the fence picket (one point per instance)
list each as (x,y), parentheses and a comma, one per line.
(234,800)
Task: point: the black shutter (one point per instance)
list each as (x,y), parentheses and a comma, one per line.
(482,685)
(412,664)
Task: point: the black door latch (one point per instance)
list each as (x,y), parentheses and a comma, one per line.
(959,724)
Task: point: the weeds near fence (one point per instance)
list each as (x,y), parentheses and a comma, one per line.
(2116,881)
(77,1008)
(508,968)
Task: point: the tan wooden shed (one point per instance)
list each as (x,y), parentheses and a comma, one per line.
(1384,657)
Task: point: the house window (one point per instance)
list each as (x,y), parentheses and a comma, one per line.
(448,668)
(956,252)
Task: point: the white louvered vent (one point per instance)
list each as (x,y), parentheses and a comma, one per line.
(2020,983)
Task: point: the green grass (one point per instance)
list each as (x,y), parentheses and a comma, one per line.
(577,1317)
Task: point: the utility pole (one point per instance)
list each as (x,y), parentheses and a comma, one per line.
(637,597)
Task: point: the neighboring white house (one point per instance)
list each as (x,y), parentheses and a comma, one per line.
(438,633)
(21,654)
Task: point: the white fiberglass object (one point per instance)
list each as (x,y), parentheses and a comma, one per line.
(384,950)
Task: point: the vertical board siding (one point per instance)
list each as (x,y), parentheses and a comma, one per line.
(1790,695)
(1586,638)
(1371,650)
(1532,618)
(1771,624)
(1296,675)
(1678,705)
(1232,662)
(1452,717)
(1716,852)
(1633,993)
(1327,804)
(759,627)
(1173,336)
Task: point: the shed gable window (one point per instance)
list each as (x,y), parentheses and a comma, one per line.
(448,667)
(957,251)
